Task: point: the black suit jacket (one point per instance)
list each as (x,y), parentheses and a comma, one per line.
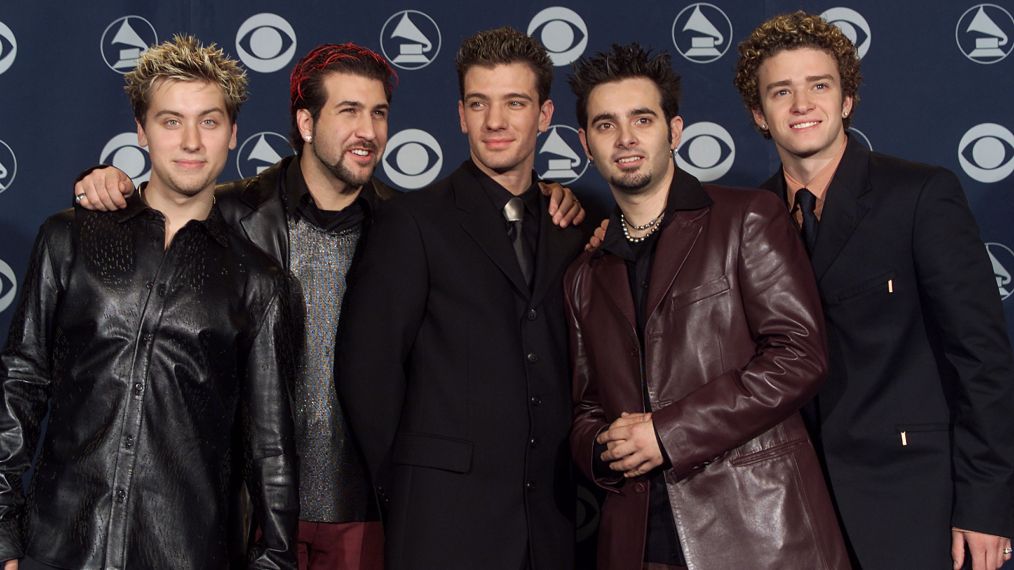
(916,420)
(456,381)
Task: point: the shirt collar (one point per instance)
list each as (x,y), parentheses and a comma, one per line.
(498,195)
(214,224)
(820,182)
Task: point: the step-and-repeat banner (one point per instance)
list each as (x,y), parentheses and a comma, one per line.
(937,89)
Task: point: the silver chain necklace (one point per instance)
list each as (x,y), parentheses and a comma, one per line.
(651,227)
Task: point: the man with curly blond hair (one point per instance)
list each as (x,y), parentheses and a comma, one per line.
(157,339)
(914,424)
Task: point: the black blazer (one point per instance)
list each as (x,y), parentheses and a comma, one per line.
(916,420)
(456,382)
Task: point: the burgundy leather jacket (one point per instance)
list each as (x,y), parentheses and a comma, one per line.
(733,346)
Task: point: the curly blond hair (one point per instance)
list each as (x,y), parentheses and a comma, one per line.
(184,59)
(793,31)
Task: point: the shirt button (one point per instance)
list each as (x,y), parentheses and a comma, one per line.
(121,495)
(161,290)
(128,441)
(532,442)
(532,314)
(535,400)
(148,284)
(532,357)
(137,389)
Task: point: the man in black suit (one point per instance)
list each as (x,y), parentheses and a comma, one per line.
(452,357)
(916,421)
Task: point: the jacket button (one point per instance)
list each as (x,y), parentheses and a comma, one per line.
(121,495)
(532,314)
(128,441)
(532,357)
(535,400)
(532,442)
(529,486)
(640,487)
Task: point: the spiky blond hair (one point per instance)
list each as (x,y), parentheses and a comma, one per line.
(184,59)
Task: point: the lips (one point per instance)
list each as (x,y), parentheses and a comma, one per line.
(629,161)
(191,164)
(497,143)
(362,153)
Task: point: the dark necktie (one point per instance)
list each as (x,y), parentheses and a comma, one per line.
(807,204)
(514,212)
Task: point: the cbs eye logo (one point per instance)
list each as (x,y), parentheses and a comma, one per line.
(853,25)
(259,151)
(8,286)
(412,159)
(1002,259)
(706,150)
(123,152)
(8,166)
(984,32)
(702,32)
(8,48)
(124,40)
(562,32)
(265,42)
(412,38)
(986,152)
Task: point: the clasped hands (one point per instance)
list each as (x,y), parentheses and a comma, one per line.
(631,445)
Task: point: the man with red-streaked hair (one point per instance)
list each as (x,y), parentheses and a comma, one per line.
(311,212)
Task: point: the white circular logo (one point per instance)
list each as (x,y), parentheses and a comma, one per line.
(8,166)
(8,286)
(261,150)
(861,137)
(986,152)
(560,156)
(1002,259)
(702,32)
(587,518)
(853,25)
(562,32)
(410,39)
(124,40)
(413,159)
(8,47)
(265,42)
(706,150)
(984,33)
(123,152)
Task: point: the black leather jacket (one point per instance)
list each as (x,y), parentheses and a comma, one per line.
(154,363)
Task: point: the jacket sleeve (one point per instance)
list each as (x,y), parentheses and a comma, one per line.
(26,382)
(963,307)
(782,310)
(381,316)
(589,419)
(270,449)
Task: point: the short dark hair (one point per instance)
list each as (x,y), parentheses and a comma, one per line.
(794,31)
(306,84)
(501,46)
(624,62)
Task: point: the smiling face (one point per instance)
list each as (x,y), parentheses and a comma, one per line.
(628,137)
(350,133)
(188,134)
(501,114)
(802,103)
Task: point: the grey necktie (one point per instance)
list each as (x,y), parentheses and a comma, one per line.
(514,212)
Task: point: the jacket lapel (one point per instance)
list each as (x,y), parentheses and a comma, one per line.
(265,215)
(611,276)
(674,245)
(484,225)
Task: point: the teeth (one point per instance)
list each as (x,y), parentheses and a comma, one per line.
(804,125)
(629,159)
(360,152)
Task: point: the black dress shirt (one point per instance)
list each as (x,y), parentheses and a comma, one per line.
(153,361)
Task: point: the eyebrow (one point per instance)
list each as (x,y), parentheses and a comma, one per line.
(809,79)
(517,95)
(632,113)
(172,113)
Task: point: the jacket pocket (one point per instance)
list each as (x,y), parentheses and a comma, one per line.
(882,282)
(434,451)
(769,453)
(910,434)
(701,292)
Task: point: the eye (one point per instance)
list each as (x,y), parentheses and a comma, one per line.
(643,121)
(266,42)
(259,151)
(122,152)
(210,123)
(562,32)
(476,105)
(560,156)
(413,159)
(986,152)
(706,150)
(171,123)
(8,166)
(410,39)
(702,32)
(518,104)
(853,25)
(8,47)
(8,286)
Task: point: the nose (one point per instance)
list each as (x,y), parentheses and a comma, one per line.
(365,128)
(495,118)
(626,137)
(801,102)
(191,138)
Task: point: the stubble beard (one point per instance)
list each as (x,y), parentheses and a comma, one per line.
(338,169)
(631,184)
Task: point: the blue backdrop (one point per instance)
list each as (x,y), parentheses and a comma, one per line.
(938,84)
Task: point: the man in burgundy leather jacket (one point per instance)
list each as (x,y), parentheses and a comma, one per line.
(696,336)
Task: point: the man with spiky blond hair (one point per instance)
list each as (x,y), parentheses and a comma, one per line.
(157,339)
